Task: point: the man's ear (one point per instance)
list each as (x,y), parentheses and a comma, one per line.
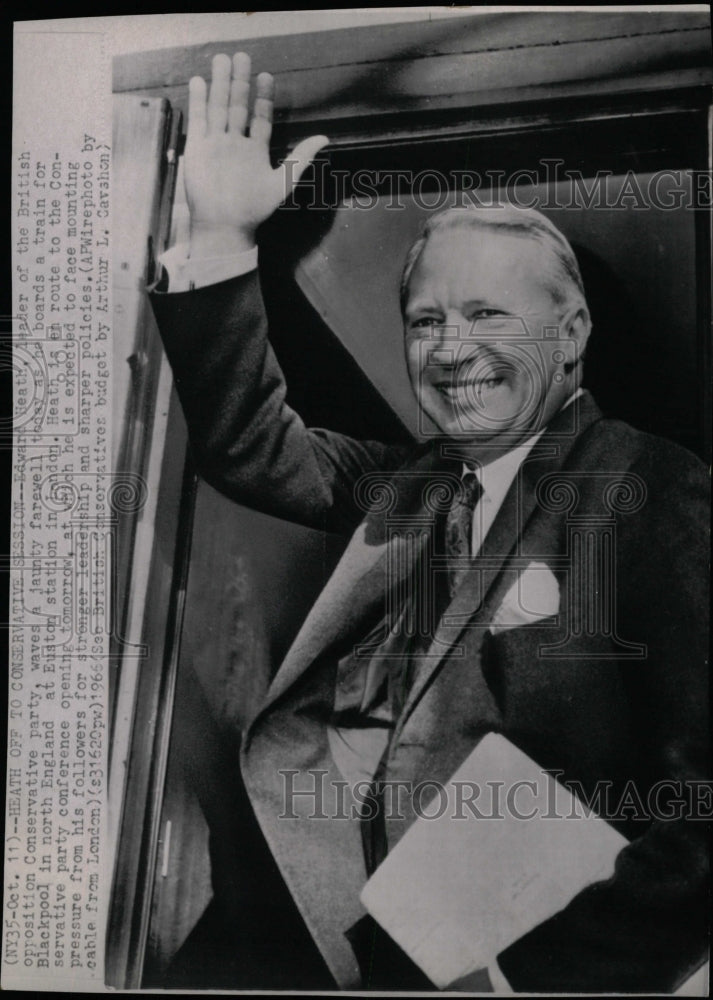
(576,325)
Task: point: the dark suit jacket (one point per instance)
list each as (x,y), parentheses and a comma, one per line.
(610,693)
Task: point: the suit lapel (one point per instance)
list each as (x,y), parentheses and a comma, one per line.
(474,602)
(378,559)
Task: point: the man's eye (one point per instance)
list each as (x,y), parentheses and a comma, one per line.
(424,321)
(487,313)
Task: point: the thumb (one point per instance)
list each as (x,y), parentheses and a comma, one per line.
(294,165)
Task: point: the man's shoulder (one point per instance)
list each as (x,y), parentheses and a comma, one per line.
(611,444)
(657,491)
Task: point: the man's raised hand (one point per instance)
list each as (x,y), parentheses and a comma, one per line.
(231,186)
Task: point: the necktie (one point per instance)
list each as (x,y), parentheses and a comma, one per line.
(458,535)
(459,529)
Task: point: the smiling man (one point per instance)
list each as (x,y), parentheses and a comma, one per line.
(532,569)
(480,289)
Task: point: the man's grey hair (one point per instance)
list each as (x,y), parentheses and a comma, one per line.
(563,278)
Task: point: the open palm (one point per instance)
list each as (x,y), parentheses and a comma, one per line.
(230,183)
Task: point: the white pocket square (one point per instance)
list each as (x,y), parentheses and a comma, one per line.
(533,596)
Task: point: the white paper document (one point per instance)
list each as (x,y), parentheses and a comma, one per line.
(463,885)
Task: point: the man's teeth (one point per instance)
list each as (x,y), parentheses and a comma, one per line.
(455,387)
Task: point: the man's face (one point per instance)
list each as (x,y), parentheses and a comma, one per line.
(485,342)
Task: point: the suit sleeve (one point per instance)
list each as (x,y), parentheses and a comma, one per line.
(247,442)
(646,928)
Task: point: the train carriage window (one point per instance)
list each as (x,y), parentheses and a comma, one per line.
(616,100)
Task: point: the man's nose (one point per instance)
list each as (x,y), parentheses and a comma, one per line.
(448,337)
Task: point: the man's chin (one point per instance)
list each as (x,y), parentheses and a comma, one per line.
(462,429)
(485,428)
(469,440)
(480,441)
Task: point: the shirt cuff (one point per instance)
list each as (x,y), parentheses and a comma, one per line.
(185,273)
(500,983)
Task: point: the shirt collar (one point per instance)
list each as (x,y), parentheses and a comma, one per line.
(496,477)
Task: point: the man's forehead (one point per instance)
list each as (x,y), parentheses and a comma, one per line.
(483,253)
(483,240)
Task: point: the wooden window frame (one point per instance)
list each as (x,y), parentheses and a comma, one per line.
(632,102)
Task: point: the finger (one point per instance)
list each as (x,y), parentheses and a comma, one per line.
(196,108)
(299,159)
(261,124)
(239,93)
(218,96)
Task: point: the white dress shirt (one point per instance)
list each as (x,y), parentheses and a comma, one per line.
(187,273)
(495,479)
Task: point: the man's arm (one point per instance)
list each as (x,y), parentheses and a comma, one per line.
(248,443)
